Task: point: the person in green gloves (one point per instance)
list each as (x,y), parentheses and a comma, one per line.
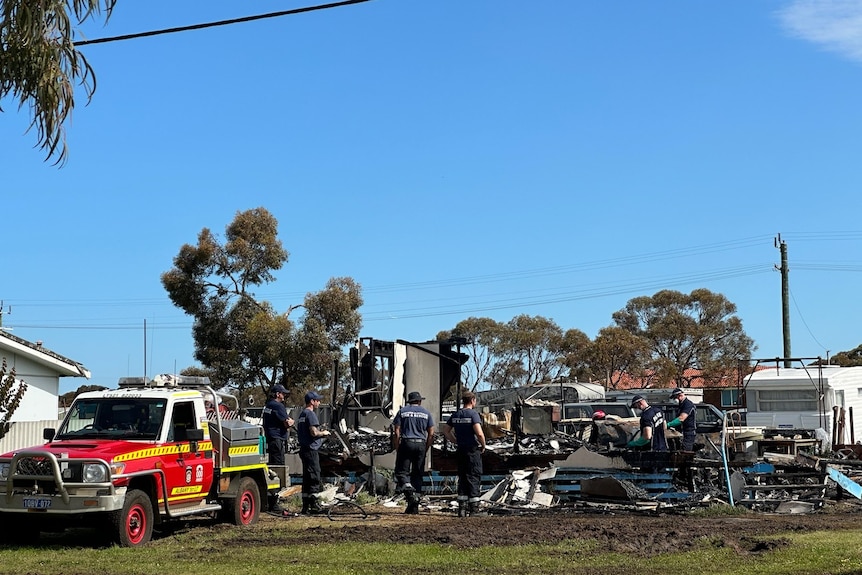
(685,419)
(651,425)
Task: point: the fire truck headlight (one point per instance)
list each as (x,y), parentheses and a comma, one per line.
(4,471)
(95,473)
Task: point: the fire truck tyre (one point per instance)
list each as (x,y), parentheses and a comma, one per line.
(245,509)
(133,524)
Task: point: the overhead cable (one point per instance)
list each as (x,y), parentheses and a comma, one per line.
(219,23)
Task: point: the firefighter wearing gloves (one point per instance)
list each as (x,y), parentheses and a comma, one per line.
(310,438)
(414,433)
(651,426)
(685,419)
(464,429)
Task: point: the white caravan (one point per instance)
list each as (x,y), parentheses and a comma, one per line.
(804,398)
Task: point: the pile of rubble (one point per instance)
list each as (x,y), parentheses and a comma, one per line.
(591,466)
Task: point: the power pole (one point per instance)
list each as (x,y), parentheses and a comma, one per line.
(785,298)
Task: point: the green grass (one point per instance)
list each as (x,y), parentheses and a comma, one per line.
(271,547)
(721,510)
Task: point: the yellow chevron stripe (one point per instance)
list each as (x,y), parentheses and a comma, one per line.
(244,450)
(162,450)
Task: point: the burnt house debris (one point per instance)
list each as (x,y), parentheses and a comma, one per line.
(540,455)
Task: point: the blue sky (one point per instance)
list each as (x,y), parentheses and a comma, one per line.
(485,158)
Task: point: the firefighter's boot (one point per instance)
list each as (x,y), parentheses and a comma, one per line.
(462,509)
(314,507)
(473,509)
(412,499)
(412,506)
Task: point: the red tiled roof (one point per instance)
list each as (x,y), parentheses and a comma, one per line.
(693,379)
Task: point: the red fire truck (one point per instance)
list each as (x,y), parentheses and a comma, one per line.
(134,458)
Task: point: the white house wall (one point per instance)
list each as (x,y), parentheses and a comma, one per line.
(43,387)
(41,369)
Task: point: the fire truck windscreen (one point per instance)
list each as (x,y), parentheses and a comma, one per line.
(139,418)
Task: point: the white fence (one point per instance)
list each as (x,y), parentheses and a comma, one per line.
(23,434)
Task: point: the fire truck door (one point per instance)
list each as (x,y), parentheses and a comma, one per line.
(189,469)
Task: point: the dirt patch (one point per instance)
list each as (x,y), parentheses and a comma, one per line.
(629,533)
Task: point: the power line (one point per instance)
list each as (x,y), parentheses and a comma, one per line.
(474,304)
(577,267)
(437,284)
(805,323)
(516,303)
(219,23)
(469,301)
(495,278)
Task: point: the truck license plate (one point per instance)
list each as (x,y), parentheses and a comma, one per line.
(36,503)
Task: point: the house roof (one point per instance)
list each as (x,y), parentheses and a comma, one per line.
(693,378)
(41,355)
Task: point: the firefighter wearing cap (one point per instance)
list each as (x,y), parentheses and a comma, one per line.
(310,438)
(652,426)
(414,433)
(276,422)
(685,419)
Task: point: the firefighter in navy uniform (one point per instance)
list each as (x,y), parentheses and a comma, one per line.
(464,429)
(276,423)
(652,426)
(310,438)
(686,419)
(414,433)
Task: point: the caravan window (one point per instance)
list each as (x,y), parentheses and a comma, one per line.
(787,400)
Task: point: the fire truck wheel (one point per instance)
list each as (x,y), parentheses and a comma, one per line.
(245,509)
(133,524)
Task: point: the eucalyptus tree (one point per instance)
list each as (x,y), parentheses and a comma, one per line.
(40,66)
(246,341)
(480,336)
(574,355)
(849,358)
(616,353)
(528,352)
(698,331)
